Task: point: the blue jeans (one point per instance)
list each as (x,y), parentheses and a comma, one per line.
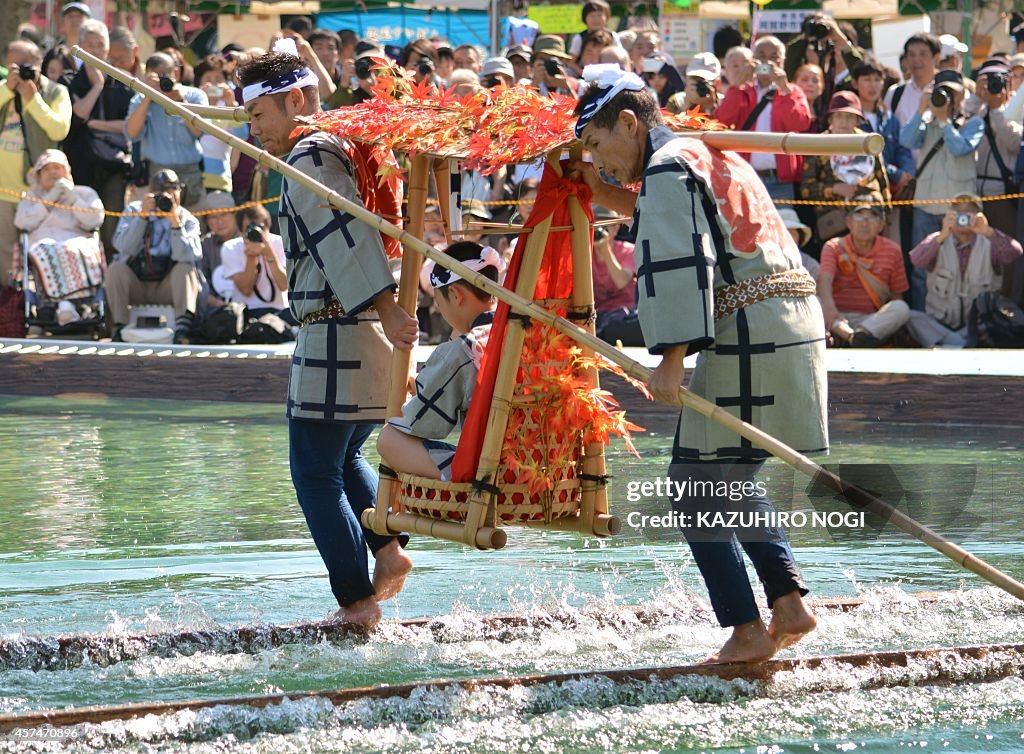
(718,550)
(334,485)
(924,225)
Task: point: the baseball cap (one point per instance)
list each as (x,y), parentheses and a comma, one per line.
(498,65)
(704,65)
(949,78)
(951,46)
(521,51)
(80,7)
(869,200)
(165,179)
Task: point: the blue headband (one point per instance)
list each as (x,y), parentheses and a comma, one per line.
(609,79)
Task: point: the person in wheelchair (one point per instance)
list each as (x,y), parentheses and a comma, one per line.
(70,214)
(60,221)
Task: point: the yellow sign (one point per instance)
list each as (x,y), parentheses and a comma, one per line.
(557,19)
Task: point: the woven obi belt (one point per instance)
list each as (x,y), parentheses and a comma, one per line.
(788,284)
(333,310)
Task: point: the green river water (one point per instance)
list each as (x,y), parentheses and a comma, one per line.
(123,517)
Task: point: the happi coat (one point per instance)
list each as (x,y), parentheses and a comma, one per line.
(444,387)
(704,221)
(340,367)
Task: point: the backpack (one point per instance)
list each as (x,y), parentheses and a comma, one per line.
(995,322)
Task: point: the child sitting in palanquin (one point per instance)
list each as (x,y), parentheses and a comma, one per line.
(414,443)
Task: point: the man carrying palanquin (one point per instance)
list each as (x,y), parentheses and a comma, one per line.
(718,275)
(341,289)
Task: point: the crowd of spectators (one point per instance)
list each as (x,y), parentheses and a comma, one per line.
(952,139)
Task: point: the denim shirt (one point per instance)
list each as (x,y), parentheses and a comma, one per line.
(166,139)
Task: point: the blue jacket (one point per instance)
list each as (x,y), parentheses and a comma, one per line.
(896,157)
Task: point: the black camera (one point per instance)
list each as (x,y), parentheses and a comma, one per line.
(489,82)
(363,68)
(163,202)
(552,67)
(254,233)
(166,83)
(995,82)
(941,96)
(27,72)
(703,88)
(815,28)
(424,66)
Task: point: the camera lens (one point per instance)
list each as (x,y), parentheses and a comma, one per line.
(425,66)
(164,203)
(703,89)
(26,72)
(940,97)
(363,68)
(166,83)
(254,233)
(995,83)
(552,67)
(963,220)
(817,30)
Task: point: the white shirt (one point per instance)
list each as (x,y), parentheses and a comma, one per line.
(232,262)
(763,124)
(909,102)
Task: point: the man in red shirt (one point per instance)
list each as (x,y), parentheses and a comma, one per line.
(861,280)
(769,104)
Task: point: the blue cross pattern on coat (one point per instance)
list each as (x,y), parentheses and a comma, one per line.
(649,268)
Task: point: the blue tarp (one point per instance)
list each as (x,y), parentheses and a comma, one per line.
(399,26)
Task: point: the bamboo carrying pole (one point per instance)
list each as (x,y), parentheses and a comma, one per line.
(401,361)
(931,665)
(762,440)
(739,141)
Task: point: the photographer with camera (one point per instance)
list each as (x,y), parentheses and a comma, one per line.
(997,152)
(961,261)
(167,141)
(35,115)
(159,250)
(497,71)
(420,58)
(769,104)
(823,43)
(255,263)
(945,163)
(548,63)
(702,75)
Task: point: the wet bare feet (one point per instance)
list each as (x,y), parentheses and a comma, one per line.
(750,642)
(791,620)
(365,613)
(390,568)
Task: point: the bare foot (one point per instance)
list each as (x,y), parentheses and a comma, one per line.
(390,568)
(791,620)
(749,642)
(364,613)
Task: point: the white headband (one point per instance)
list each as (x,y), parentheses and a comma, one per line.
(610,80)
(299,79)
(442,276)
